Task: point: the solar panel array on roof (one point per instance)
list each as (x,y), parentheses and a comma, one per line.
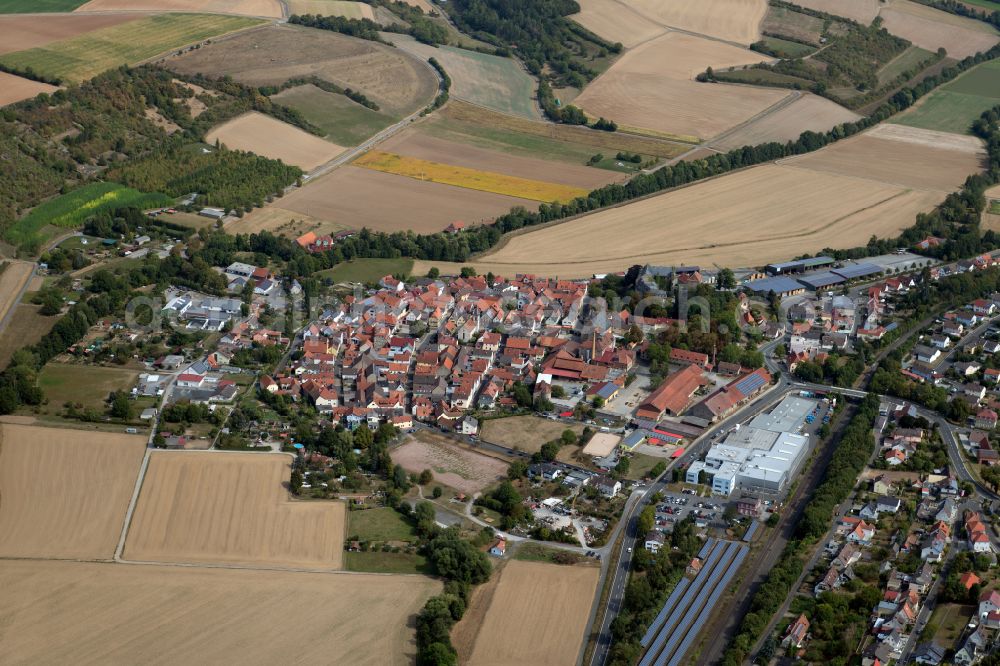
(812,262)
(855,271)
(750,383)
(821,280)
(779,285)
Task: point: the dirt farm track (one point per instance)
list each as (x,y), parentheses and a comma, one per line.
(82,613)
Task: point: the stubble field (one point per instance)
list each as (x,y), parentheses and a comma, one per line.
(25,327)
(14,276)
(345,8)
(537,614)
(732,20)
(616,22)
(269,137)
(931,28)
(453,465)
(862,11)
(64,492)
(652,88)
(524,433)
(358,198)
(231,508)
(265,8)
(395,80)
(87,55)
(15,88)
(27,32)
(809,112)
(84,613)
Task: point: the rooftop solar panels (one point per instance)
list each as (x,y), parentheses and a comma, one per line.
(855,271)
(798,264)
(821,280)
(750,383)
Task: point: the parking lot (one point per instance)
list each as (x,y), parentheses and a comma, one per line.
(707,511)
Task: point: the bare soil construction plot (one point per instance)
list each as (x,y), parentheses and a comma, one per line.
(64,492)
(272,138)
(14,277)
(809,112)
(732,20)
(27,32)
(83,613)
(231,508)
(395,80)
(265,8)
(422,146)
(748,218)
(616,22)
(358,197)
(931,29)
(862,11)
(452,464)
(15,88)
(902,156)
(537,614)
(653,88)
(282,223)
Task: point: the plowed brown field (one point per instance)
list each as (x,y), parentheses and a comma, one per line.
(84,613)
(63,492)
(537,615)
(15,88)
(231,508)
(27,32)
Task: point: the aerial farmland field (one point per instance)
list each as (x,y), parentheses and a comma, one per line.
(85,385)
(931,29)
(730,20)
(82,57)
(534,613)
(281,222)
(26,326)
(862,11)
(265,8)
(172,523)
(272,138)
(398,82)
(14,276)
(346,122)
(956,105)
(488,80)
(356,197)
(27,32)
(809,112)
(847,203)
(15,88)
(652,88)
(64,491)
(524,433)
(345,8)
(616,22)
(72,612)
(453,464)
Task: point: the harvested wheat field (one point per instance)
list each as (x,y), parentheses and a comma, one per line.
(862,11)
(386,202)
(767,213)
(345,8)
(901,156)
(809,112)
(26,326)
(395,80)
(27,32)
(233,508)
(88,613)
(425,147)
(732,20)
(931,29)
(282,223)
(537,614)
(272,138)
(616,22)
(13,278)
(652,88)
(64,492)
(15,88)
(265,8)
(453,464)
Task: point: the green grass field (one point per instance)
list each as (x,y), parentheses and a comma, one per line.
(72,209)
(764,76)
(908,59)
(954,107)
(994,208)
(379,562)
(38,6)
(367,270)
(789,48)
(381,524)
(85,384)
(346,123)
(491,81)
(988,5)
(85,56)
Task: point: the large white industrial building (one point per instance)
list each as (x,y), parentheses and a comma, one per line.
(763,456)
